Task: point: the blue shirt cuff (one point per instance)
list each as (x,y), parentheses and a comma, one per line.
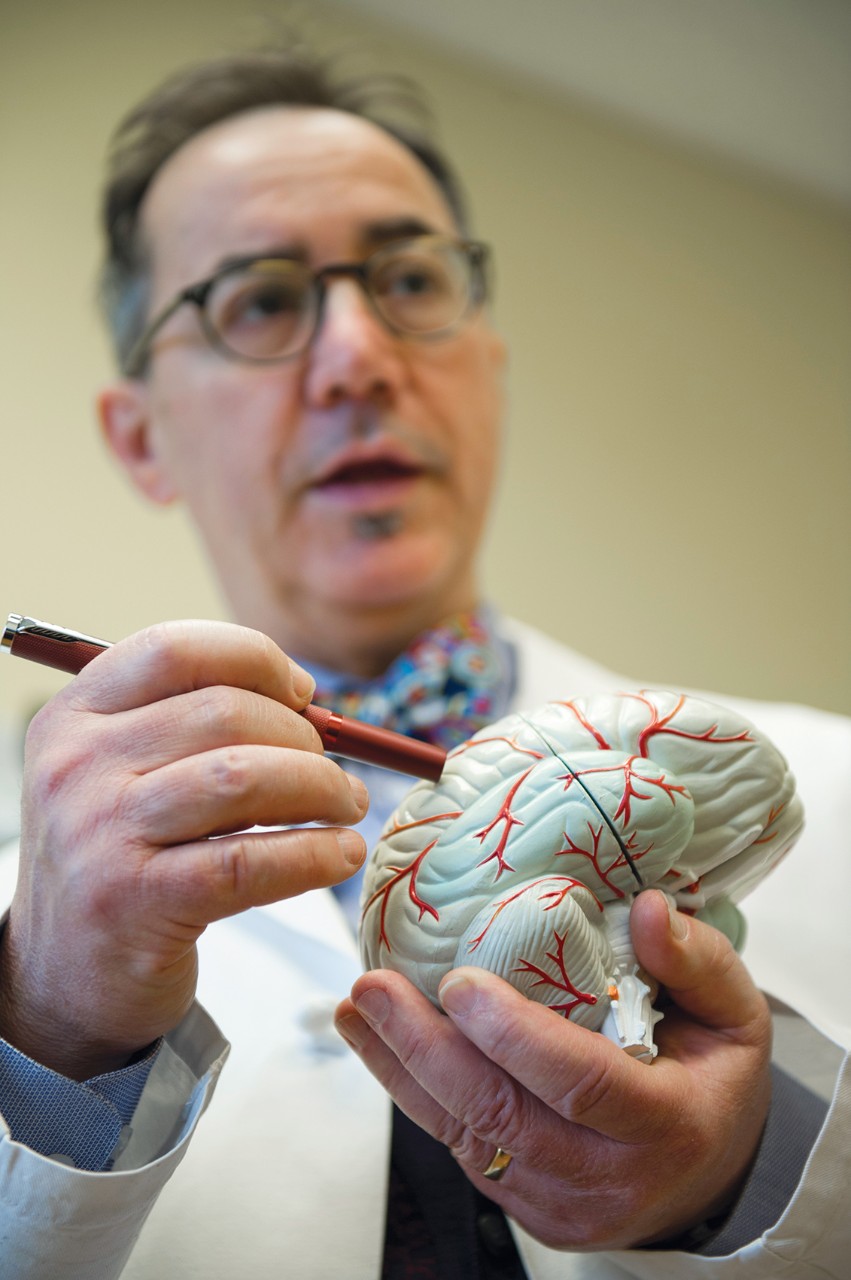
(83,1123)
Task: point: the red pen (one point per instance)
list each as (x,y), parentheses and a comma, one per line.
(70,651)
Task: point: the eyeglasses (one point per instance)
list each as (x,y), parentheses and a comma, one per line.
(268,308)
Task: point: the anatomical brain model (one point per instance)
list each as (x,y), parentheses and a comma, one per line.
(525,857)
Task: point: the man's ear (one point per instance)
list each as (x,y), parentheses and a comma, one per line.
(123,411)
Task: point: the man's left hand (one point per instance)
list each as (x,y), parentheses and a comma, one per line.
(608,1152)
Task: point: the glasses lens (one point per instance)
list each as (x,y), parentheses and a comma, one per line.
(422,287)
(263,311)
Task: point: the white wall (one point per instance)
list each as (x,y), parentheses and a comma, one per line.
(676,497)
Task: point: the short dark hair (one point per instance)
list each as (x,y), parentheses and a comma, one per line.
(286,74)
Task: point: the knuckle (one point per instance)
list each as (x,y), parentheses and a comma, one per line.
(137,804)
(414,1050)
(227,773)
(47,779)
(495,1112)
(219,710)
(162,643)
(55,761)
(453,1135)
(464,1146)
(588,1092)
(232,868)
(217,885)
(108,894)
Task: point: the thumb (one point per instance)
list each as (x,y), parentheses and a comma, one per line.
(696,964)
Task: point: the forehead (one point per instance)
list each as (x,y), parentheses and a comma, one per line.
(309,180)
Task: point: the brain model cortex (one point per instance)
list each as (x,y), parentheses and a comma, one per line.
(525,857)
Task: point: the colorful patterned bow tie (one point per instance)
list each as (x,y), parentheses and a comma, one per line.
(450,682)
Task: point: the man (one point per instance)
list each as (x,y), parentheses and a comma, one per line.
(308,365)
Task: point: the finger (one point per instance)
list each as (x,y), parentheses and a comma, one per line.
(444,1083)
(698,967)
(577,1073)
(197,884)
(448,1087)
(237,787)
(410,1096)
(203,720)
(473,1153)
(175,657)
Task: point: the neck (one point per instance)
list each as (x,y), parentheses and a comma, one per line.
(363,643)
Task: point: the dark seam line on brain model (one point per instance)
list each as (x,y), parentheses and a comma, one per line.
(629,859)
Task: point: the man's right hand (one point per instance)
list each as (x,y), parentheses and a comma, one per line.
(179,734)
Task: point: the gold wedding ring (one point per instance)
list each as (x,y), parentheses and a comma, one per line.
(498,1165)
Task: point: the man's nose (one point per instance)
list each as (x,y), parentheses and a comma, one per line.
(353,354)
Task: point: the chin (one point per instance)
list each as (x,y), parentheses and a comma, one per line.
(390,572)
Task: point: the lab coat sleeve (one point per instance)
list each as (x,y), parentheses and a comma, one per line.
(56,1220)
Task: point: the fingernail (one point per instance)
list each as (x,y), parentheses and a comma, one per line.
(679,922)
(303,682)
(373,1006)
(352,1030)
(360,795)
(459,995)
(352,846)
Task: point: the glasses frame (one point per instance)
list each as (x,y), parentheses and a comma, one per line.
(476,252)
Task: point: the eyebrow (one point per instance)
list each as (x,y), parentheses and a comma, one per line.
(388,229)
(272,251)
(372,236)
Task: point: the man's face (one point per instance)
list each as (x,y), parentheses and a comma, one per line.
(347,486)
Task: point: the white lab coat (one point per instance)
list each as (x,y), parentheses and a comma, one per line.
(285,1175)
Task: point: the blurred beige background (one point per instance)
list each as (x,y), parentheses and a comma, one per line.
(676,494)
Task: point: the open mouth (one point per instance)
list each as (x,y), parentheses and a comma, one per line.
(369,472)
